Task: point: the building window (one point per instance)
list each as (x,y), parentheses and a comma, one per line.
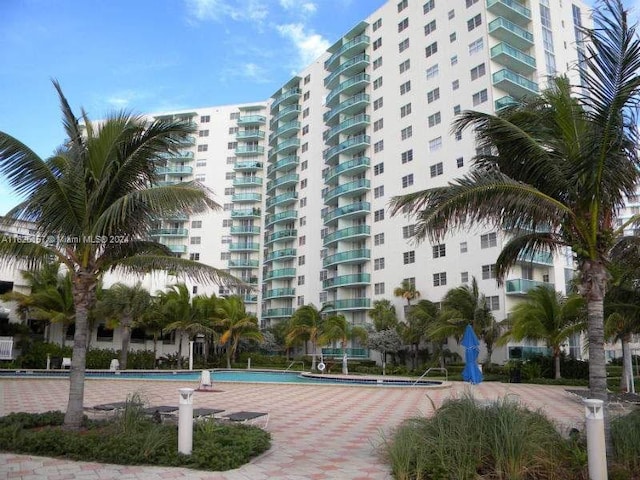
(378,146)
(304,165)
(403,24)
(471,2)
(476,46)
(477,72)
(454,60)
(435,144)
(301,260)
(377,103)
(407,180)
(378,239)
(229,191)
(463,247)
(433,95)
(225,256)
(377,63)
(456,110)
(303,202)
(431,49)
(307,79)
(407,156)
(452,37)
(406,132)
(460,162)
(205,119)
(305,129)
(405,110)
(439,279)
(378,215)
(434,119)
(227,222)
(489,240)
(436,169)
(378,263)
(464,277)
(378,288)
(493,302)
(430,5)
(200,177)
(195,240)
(430,27)
(378,124)
(404,66)
(378,192)
(432,71)
(455,85)
(305,147)
(474,22)
(451,15)
(234,116)
(306,96)
(439,250)
(405,87)
(225,239)
(194,256)
(232,145)
(377,83)
(305,112)
(480,97)
(303,221)
(377,43)
(488,271)
(378,168)
(303,183)
(203,133)
(409,257)
(203,148)
(403,45)
(377,24)
(201,163)
(196,224)
(458,136)
(302,240)
(408,231)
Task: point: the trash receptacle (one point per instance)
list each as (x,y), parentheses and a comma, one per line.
(515,375)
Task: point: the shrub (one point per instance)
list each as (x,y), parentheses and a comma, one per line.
(625,433)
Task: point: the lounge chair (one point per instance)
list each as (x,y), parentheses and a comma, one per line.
(252,418)
(160,413)
(206,385)
(66,363)
(110,409)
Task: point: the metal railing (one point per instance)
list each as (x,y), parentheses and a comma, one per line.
(293,363)
(441,369)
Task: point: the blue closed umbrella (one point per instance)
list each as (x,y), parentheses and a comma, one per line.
(471,344)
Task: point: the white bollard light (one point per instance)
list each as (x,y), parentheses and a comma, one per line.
(185,421)
(596,449)
(191,355)
(249,363)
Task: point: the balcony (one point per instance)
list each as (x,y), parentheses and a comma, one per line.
(284,164)
(511,9)
(347,304)
(351,105)
(509,32)
(356,45)
(352,167)
(247,181)
(512,58)
(174,171)
(284,114)
(541,258)
(278,312)
(285,181)
(350,233)
(289,129)
(347,127)
(244,135)
(355,279)
(352,256)
(249,280)
(280,293)
(169,232)
(514,84)
(243,263)
(282,200)
(250,298)
(244,247)
(285,98)
(348,147)
(353,65)
(288,146)
(178,248)
(351,189)
(348,87)
(247,166)
(244,230)
(280,254)
(351,352)
(521,286)
(246,213)
(246,197)
(246,150)
(353,210)
(247,120)
(504,102)
(288,234)
(188,141)
(281,217)
(178,157)
(280,273)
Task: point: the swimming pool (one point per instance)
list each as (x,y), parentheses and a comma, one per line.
(242,376)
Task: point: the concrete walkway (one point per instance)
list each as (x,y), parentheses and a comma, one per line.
(318,431)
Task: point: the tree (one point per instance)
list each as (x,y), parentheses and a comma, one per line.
(337,328)
(420,318)
(548,316)
(94,202)
(236,324)
(307,325)
(384,315)
(554,169)
(407,290)
(155,322)
(125,305)
(384,341)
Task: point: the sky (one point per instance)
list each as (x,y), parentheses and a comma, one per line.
(153,55)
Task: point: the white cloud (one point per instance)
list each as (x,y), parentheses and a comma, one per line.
(218,10)
(255,72)
(308,8)
(122,99)
(309,44)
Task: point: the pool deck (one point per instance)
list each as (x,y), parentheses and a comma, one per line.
(318,431)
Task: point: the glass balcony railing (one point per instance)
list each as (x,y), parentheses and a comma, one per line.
(290,96)
(287,146)
(284,114)
(351,210)
(288,129)
(278,312)
(514,84)
(247,166)
(282,217)
(357,187)
(280,273)
(288,234)
(351,105)
(249,150)
(347,280)
(352,256)
(246,197)
(347,147)
(244,230)
(178,248)
(284,164)
(351,352)
(509,32)
(279,254)
(280,292)
(513,58)
(178,156)
(347,304)
(542,258)
(348,68)
(351,167)
(246,213)
(244,247)
(250,135)
(357,44)
(169,232)
(347,126)
(250,298)
(243,263)
(177,171)
(355,83)
(504,102)
(520,286)
(350,233)
(247,181)
(283,199)
(252,120)
(285,181)
(511,9)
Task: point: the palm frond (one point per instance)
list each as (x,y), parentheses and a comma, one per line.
(523,246)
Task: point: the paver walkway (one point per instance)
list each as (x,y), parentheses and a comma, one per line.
(319,431)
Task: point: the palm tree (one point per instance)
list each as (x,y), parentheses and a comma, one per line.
(125,306)
(337,328)
(54,304)
(548,316)
(95,201)
(407,290)
(307,325)
(154,321)
(236,324)
(554,168)
(420,318)
(384,315)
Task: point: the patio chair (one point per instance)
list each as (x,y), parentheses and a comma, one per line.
(66,363)
(251,418)
(206,385)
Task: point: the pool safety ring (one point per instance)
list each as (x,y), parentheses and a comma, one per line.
(321,366)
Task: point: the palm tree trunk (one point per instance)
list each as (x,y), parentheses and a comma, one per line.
(626,382)
(556,360)
(313,357)
(345,368)
(84,299)
(228,356)
(126,337)
(180,351)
